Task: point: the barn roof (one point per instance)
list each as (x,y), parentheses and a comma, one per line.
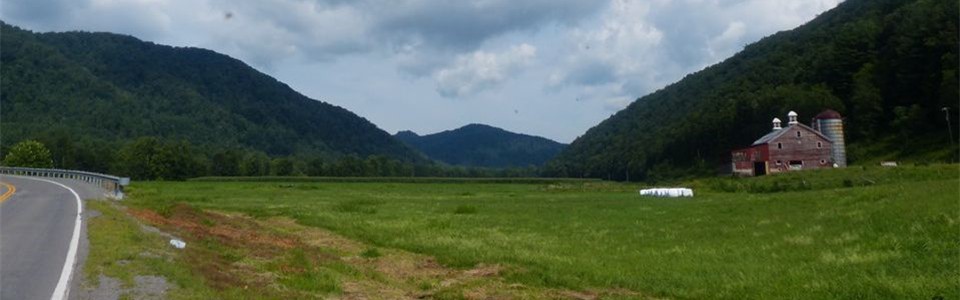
(777,133)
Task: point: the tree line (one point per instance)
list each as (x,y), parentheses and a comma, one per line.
(152,158)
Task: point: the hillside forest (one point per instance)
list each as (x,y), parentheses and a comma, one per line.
(888,66)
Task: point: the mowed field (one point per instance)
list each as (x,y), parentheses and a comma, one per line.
(838,234)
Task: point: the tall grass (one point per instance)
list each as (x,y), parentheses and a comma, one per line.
(529,180)
(828,179)
(897,237)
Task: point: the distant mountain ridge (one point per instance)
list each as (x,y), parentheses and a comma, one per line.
(479,145)
(110,89)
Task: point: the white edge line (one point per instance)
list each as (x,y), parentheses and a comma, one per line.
(63,285)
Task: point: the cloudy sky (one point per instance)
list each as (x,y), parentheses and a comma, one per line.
(552,68)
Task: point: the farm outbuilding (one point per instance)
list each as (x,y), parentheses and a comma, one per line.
(795,147)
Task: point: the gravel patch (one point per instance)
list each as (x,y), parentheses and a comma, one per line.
(150,287)
(109,289)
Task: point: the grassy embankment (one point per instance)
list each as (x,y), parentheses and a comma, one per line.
(121,250)
(852,233)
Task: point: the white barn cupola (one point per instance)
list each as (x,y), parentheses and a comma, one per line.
(792,115)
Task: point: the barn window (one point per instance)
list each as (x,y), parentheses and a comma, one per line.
(779,146)
(819,145)
(798,133)
(823,161)
(779,162)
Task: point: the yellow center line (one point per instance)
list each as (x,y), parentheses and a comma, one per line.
(10,190)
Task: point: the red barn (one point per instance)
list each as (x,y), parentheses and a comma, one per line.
(795,147)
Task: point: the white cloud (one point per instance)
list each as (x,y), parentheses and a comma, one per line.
(616,103)
(480,70)
(624,50)
(465,25)
(574,60)
(729,39)
(310,29)
(636,47)
(265,33)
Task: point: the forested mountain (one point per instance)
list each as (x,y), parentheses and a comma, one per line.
(889,66)
(94,92)
(478,145)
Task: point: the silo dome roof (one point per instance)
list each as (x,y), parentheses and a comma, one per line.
(828,114)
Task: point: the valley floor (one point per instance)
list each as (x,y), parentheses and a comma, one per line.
(855,233)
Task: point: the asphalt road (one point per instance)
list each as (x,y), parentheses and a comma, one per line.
(38,224)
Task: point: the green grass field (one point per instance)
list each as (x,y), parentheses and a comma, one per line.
(838,234)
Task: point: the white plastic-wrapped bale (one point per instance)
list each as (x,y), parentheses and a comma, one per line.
(667,192)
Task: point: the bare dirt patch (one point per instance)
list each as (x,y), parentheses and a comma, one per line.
(398,274)
(234,251)
(223,247)
(230,230)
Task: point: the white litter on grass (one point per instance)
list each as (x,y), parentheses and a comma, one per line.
(667,192)
(178,243)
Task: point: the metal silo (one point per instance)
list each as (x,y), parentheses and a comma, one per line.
(830,124)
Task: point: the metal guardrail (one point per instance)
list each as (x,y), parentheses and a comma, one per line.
(109,183)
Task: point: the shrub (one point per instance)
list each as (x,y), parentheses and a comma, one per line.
(29,154)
